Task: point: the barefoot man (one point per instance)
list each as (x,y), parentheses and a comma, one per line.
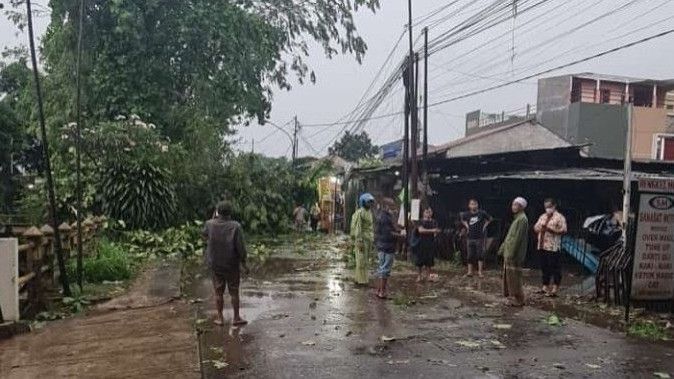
(225,255)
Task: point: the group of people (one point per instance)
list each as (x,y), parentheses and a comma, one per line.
(379,229)
(225,251)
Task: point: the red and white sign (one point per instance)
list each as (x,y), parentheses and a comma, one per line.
(653,274)
(656,185)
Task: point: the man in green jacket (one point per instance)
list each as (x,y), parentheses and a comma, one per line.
(514,252)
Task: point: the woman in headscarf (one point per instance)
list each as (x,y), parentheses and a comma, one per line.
(514,252)
(362,234)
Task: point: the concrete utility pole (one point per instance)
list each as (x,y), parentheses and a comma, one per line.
(406,151)
(414,124)
(296,130)
(425,145)
(627,174)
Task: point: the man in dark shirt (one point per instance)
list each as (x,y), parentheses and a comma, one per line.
(475,221)
(225,255)
(384,239)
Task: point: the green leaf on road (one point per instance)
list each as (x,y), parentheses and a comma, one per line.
(553,320)
(469,344)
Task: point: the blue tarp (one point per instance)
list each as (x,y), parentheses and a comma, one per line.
(582,252)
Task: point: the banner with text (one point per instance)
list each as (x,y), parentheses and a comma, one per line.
(653,274)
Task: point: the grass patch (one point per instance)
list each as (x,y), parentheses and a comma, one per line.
(648,330)
(110,263)
(403,300)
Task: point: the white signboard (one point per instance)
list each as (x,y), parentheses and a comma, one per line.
(653,274)
(9,273)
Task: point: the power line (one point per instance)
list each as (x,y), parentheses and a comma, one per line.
(548,42)
(577,48)
(531,76)
(610,51)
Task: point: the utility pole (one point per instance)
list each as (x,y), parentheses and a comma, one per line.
(63,273)
(252,146)
(627,174)
(414,124)
(296,130)
(425,145)
(405,155)
(78,148)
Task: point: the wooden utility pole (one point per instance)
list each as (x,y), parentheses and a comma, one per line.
(414,124)
(63,274)
(627,174)
(425,145)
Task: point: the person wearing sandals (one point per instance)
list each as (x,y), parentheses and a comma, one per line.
(475,221)
(425,250)
(550,228)
(385,232)
(514,252)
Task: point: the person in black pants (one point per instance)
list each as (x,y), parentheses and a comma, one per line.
(550,228)
(475,221)
(426,231)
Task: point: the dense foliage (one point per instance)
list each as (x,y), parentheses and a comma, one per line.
(193,68)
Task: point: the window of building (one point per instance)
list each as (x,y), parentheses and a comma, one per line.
(664,147)
(605,96)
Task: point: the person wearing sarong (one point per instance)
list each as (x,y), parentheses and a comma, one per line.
(514,252)
(362,235)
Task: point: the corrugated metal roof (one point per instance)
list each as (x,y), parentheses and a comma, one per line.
(560,174)
(520,135)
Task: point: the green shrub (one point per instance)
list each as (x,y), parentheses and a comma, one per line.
(140,193)
(111,263)
(184,240)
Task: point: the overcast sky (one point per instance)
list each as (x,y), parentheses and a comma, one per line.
(554,33)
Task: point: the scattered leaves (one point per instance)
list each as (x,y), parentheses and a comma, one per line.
(553,320)
(502,326)
(498,344)
(468,344)
(217,349)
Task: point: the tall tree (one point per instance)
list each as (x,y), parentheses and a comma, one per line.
(354,147)
(173,61)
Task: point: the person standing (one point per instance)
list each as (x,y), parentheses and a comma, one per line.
(300,218)
(362,235)
(315,214)
(550,228)
(514,252)
(425,249)
(386,229)
(225,257)
(475,221)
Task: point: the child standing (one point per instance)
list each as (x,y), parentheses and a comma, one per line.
(425,250)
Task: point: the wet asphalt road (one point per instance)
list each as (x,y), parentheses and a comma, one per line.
(308,320)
